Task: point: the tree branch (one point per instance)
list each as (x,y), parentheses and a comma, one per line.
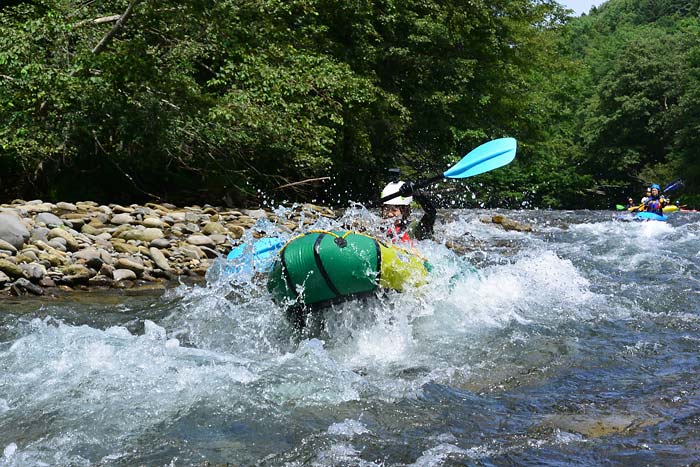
(102,20)
(120,22)
(303,182)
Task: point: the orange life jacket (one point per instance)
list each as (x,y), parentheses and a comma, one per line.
(397,235)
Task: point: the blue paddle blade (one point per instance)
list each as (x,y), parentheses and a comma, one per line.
(259,258)
(488,156)
(673,185)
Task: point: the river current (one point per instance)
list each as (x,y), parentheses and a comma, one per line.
(577,344)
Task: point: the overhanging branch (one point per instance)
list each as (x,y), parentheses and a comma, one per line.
(115,29)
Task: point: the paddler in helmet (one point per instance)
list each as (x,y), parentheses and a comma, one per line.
(655,202)
(398,209)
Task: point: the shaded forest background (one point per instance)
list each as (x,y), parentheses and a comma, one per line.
(231,101)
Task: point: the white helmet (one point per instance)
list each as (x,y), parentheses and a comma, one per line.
(392,188)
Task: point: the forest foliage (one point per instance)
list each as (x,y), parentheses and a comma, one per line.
(233,101)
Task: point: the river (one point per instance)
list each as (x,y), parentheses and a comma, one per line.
(575,345)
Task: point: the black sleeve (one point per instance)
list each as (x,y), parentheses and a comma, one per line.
(427,222)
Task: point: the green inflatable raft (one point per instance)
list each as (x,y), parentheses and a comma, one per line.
(322,267)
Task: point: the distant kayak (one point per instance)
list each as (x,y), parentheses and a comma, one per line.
(650,216)
(667,209)
(639,217)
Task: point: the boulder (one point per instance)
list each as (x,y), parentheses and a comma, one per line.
(123,274)
(23,286)
(11,269)
(13,230)
(4,279)
(509,224)
(71,242)
(33,271)
(159,259)
(48,219)
(7,246)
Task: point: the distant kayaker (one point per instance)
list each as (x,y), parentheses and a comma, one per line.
(399,209)
(647,196)
(631,206)
(655,202)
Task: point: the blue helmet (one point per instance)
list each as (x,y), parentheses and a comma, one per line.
(654,185)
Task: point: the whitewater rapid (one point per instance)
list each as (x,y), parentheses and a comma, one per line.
(575,344)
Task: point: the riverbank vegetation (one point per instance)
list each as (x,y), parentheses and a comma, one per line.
(222,101)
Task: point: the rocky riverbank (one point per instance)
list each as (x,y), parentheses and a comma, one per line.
(47,248)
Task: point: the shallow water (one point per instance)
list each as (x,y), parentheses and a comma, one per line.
(576,344)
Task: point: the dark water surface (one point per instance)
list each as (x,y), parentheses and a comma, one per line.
(575,345)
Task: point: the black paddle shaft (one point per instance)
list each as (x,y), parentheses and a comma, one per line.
(414,186)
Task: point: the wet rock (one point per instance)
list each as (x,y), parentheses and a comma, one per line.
(4,279)
(508,224)
(255,213)
(595,426)
(13,231)
(235,231)
(246,221)
(23,287)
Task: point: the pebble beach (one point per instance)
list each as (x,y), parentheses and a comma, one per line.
(46,248)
